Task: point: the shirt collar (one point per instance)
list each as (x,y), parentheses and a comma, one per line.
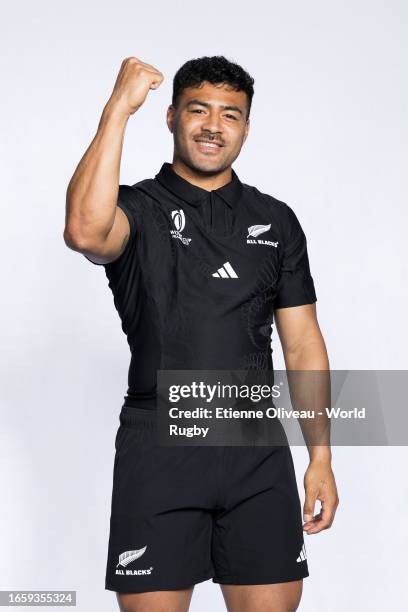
(195,195)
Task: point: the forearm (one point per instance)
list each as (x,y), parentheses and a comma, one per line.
(93,189)
(310,354)
(309,383)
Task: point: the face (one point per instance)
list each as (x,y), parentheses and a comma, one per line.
(209,126)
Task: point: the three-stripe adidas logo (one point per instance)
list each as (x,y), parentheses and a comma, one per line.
(226,271)
(302,555)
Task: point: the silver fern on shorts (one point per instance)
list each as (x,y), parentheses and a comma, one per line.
(129,556)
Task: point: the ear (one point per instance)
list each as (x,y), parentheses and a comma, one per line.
(246,130)
(170,117)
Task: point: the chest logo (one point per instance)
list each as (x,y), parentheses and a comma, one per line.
(226,271)
(179,219)
(179,222)
(256,230)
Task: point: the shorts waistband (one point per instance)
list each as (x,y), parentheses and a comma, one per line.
(136,416)
(142,400)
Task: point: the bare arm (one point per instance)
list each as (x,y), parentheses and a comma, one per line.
(298,327)
(94,224)
(305,350)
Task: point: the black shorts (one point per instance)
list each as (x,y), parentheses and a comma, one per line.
(182,515)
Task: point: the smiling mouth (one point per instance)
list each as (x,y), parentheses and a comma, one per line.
(208,146)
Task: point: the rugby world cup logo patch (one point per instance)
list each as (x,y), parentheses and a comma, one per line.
(179,219)
(179,222)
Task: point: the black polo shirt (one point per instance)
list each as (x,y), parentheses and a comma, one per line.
(201,275)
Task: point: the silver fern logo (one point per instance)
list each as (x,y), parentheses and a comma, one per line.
(255,230)
(129,556)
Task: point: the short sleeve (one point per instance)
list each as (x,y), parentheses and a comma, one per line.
(129,202)
(295,283)
(124,273)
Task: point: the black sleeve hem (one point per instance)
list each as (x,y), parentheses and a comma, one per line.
(132,228)
(294,303)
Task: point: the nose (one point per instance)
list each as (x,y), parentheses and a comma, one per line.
(211,123)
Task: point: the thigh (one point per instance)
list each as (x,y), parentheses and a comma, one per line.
(160,524)
(258,533)
(280,597)
(170,601)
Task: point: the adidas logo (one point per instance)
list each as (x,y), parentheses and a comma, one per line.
(226,271)
(302,555)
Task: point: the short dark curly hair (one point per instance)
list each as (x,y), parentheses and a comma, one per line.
(215,69)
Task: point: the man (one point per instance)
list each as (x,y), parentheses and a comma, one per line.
(196,285)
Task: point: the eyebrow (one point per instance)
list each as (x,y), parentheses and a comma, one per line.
(208,105)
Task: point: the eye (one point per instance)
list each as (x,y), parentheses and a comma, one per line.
(197,110)
(232,117)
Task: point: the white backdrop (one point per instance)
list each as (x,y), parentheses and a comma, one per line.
(328,136)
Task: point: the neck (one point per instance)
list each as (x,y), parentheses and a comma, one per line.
(199,179)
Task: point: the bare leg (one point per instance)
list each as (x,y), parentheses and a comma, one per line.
(156,601)
(281,597)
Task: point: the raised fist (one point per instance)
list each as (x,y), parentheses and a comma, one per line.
(132,85)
